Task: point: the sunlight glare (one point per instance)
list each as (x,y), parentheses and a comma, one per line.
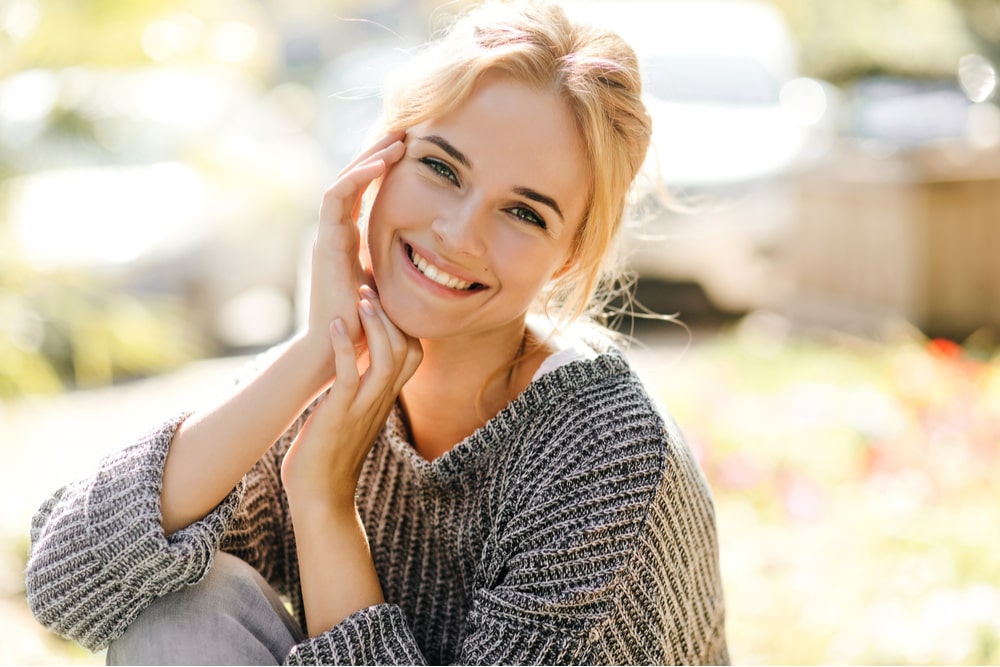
(28,96)
(178,97)
(977,77)
(235,42)
(804,99)
(91,216)
(166,38)
(19,19)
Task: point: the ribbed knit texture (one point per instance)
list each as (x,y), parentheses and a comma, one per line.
(574,527)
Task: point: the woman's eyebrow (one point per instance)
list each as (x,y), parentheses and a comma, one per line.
(446,146)
(533,195)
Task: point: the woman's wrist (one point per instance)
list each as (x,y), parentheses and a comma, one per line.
(316,498)
(216,446)
(328,507)
(333,533)
(312,350)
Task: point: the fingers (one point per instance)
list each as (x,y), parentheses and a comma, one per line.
(406,350)
(392,355)
(397,339)
(336,213)
(336,259)
(414,355)
(345,387)
(384,141)
(352,181)
(381,360)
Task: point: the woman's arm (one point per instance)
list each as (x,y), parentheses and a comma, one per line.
(321,469)
(98,552)
(99,549)
(212,450)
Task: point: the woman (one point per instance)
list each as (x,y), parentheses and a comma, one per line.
(471,486)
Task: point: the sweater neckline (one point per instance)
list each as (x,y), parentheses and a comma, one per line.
(537,398)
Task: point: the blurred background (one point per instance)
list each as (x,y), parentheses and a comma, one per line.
(831,247)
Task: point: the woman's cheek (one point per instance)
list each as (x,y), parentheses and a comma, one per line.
(365,253)
(373,224)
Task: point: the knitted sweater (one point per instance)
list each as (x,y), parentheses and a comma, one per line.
(574,527)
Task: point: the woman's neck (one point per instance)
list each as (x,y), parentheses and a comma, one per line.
(462,383)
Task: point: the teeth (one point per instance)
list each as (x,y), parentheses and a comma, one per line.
(437,275)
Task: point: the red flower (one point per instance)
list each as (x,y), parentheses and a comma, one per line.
(946,349)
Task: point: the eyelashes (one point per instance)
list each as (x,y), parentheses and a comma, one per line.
(528,215)
(523,213)
(441,169)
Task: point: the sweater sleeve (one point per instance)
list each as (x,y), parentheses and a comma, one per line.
(98,551)
(377,635)
(612,558)
(99,555)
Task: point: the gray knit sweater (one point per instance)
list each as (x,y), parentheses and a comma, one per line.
(574,527)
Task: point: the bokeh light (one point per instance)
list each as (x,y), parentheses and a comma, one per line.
(977,77)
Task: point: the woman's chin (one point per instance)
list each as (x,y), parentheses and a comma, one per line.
(407,317)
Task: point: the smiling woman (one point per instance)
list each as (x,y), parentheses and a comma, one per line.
(449,462)
(479,203)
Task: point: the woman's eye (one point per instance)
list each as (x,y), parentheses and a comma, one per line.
(526,214)
(441,169)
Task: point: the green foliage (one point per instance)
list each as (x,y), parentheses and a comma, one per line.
(75,330)
(843,40)
(74,33)
(982,19)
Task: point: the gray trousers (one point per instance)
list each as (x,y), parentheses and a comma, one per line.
(231,617)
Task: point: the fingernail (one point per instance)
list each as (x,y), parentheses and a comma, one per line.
(367,308)
(339,326)
(367,292)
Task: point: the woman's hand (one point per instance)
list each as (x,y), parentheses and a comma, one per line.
(322,467)
(213,449)
(336,268)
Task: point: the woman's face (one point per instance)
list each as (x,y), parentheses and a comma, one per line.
(480,213)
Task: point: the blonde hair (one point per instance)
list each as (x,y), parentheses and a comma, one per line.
(597,75)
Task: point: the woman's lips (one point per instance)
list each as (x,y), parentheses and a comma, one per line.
(438,275)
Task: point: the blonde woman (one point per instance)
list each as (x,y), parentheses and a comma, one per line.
(424,474)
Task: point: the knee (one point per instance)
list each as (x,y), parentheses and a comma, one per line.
(230,617)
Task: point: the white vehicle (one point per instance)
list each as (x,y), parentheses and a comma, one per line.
(730,119)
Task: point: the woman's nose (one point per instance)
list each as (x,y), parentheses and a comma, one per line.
(461,230)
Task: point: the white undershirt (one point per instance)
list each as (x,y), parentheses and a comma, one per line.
(568,349)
